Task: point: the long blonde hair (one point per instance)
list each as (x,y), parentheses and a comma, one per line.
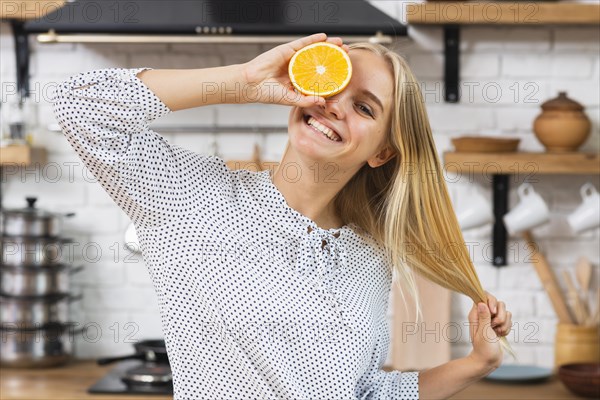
(404,203)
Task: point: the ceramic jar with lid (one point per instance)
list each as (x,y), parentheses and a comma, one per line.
(562,126)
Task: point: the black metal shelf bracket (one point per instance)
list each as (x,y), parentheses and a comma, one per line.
(500,186)
(451,63)
(22,57)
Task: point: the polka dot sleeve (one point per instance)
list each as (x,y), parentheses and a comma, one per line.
(105,114)
(378,384)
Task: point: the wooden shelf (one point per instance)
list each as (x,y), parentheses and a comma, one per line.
(503,13)
(523,163)
(28,9)
(22,155)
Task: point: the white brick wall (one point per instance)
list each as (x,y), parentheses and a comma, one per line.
(528,64)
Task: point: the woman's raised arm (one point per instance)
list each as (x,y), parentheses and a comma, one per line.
(264,79)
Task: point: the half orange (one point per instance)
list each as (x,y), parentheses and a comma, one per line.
(320,69)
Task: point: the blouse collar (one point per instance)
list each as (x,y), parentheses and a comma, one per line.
(278,201)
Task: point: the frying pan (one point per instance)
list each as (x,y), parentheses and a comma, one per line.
(145,350)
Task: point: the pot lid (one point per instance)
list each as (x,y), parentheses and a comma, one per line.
(30,211)
(562,102)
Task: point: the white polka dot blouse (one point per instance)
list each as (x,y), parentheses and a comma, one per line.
(256,300)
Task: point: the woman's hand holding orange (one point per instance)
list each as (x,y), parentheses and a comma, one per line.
(267,78)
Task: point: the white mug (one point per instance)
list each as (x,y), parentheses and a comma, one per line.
(587,215)
(531,211)
(476,212)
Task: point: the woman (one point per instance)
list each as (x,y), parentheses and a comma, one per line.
(274,285)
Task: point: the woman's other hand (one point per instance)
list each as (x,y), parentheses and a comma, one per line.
(267,79)
(501,318)
(487,324)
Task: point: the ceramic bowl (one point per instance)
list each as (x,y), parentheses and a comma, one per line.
(583,379)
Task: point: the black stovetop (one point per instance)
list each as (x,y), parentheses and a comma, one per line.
(112,383)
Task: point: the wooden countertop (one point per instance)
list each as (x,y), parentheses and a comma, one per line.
(71,381)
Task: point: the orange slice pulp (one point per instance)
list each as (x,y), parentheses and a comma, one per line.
(320,69)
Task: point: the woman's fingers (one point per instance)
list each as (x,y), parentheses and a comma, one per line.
(492,302)
(500,316)
(305,41)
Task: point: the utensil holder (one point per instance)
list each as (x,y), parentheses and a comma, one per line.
(576,344)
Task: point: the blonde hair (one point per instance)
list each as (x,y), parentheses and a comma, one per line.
(404,203)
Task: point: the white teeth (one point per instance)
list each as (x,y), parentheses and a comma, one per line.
(325,130)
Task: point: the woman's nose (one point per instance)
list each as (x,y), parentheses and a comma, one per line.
(334,105)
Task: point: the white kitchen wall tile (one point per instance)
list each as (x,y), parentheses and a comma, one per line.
(105,274)
(488,275)
(28,182)
(479,66)
(518,276)
(578,90)
(516,92)
(187,118)
(511,119)
(196,142)
(579,39)
(104,324)
(105,334)
(458,117)
(539,38)
(136,271)
(239,114)
(53,142)
(110,247)
(529,142)
(94,219)
(96,195)
(147,325)
(567,251)
(576,66)
(275,146)
(238,146)
(274,115)
(122,298)
(543,306)
(520,303)
(487,39)
(70,63)
(530,65)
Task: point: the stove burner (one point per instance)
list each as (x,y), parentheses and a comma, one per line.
(149,374)
(157,382)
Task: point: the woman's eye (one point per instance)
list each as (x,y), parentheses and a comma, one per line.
(366,109)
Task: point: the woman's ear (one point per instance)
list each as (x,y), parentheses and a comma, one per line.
(381,158)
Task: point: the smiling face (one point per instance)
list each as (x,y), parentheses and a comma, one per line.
(357,122)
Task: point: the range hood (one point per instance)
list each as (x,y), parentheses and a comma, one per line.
(213,21)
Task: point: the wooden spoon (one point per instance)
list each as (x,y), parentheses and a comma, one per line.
(579,312)
(583,271)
